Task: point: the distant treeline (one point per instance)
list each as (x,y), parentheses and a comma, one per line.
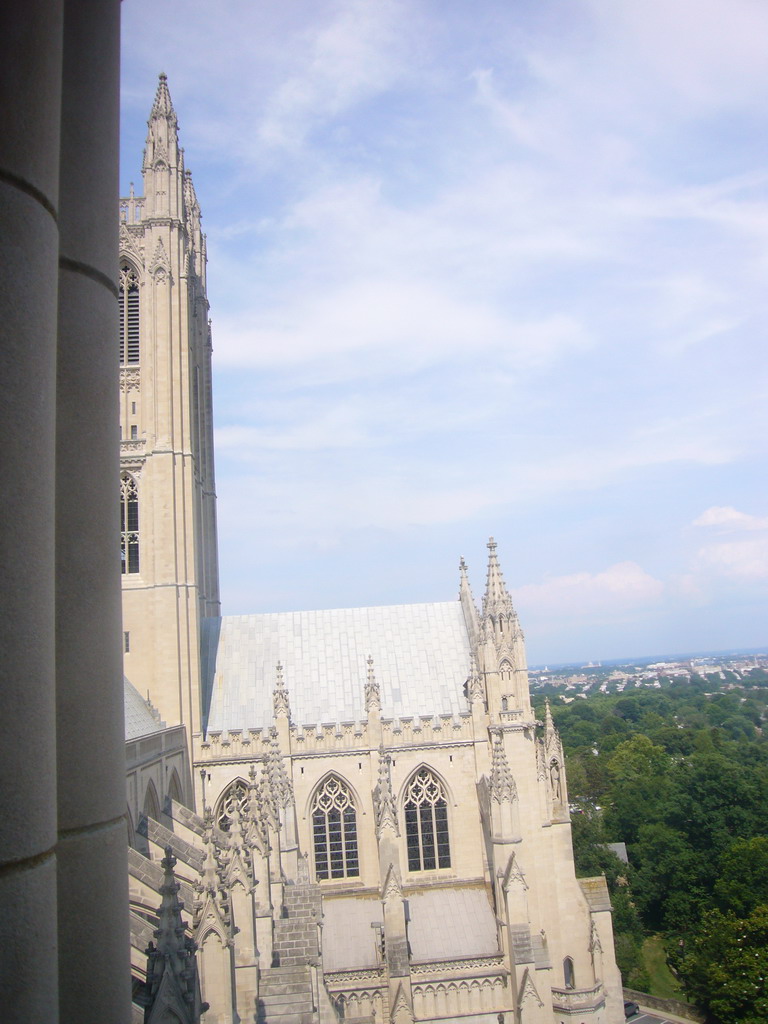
(681,776)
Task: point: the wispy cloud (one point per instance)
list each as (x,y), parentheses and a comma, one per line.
(470,266)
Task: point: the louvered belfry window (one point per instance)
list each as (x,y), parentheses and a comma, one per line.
(426,823)
(334,831)
(129,315)
(129,524)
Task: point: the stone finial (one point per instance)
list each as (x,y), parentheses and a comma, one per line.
(503,787)
(498,609)
(475,688)
(471,615)
(256,828)
(163,105)
(551,735)
(383,797)
(279,783)
(280,702)
(173,985)
(372,691)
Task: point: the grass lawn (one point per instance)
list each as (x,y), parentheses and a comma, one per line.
(663,982)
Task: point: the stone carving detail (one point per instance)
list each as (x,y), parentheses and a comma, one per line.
(346,978)
(160,261)
(279,783)
(372,692)
(513,875)
(475,688)
(484,963)
(528,990)
(130,246)
(173,985)
(401,1010)
(595,946)
(280,703)
(503,786)
(383,797)
(130,379)
(392,888)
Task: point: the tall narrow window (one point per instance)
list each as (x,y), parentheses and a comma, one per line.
(334,831)
(129,524)
(129,315)
(568,973)
(426,823)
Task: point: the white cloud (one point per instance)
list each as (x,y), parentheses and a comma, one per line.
(730,518)
(742,560)
(616,589)
(467,261)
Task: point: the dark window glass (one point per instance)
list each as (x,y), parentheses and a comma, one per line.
(426,823)
(334,831)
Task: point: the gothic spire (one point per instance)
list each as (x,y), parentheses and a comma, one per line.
(372,691)
(279,783)
(280,702)
(468,605)
(163,105)
(163,168)
(502,783)
(496,599)
(475,688)
(172,980)
(383,797)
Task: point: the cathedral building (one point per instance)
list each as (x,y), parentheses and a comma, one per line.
(357,808)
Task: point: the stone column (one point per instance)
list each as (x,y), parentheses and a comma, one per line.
(92,848)
(30,100)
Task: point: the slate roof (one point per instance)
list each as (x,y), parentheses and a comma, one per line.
(450,923)
(445,924)
(420,659)
(139,720)
(349,941)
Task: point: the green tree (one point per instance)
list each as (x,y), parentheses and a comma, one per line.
(742,883)
(726,970)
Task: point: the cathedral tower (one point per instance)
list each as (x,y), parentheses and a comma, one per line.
(167,494)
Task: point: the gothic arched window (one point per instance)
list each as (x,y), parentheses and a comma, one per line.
(426,823)
(568,973)
(129,523)
(234,797)
(334,831)
(129,314)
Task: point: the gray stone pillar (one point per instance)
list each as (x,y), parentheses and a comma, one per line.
(30,99)
(92,849)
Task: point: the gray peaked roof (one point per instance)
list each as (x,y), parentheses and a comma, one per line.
(420,660)
(139,719)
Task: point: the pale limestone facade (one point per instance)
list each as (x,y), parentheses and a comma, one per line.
(383,829)
(168,502)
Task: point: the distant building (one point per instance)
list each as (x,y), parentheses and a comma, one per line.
(382,829)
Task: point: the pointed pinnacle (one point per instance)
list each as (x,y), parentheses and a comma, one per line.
(496,598)
(163,106)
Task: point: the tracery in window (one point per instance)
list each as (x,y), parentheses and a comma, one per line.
(129,524)
(334,831)
(426,823)
(235,797)
(129,314)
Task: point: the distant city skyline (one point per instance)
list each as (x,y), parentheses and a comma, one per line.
(482,270)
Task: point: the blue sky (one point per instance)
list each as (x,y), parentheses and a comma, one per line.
(483,268)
